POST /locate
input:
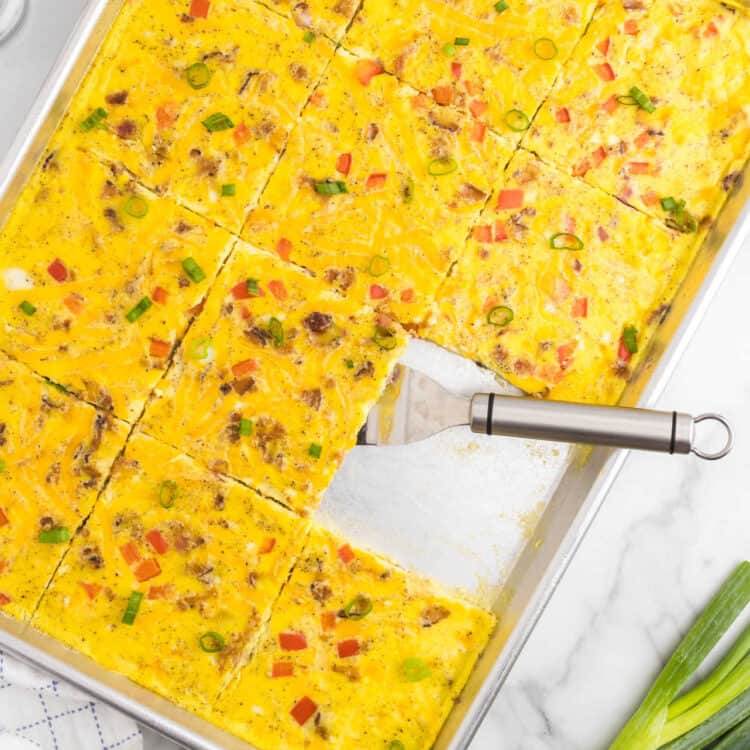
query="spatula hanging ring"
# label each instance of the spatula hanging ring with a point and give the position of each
(728, 445)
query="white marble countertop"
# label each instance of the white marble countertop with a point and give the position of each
(670, 531)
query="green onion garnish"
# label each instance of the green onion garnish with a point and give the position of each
(501, 6)
(54, 536)
(276, 329)
(216, 122)
(200, 347)
(358, 608)
(246, 427)
(27, 307)
(643, 101)
(415, 670)
(198, 75)
(626, 100)
(131, 611)
(2, 466)
(168, 490)
(565, 241)
(316, 450)
(309, 37)
(545, 49)
(396, 745)
(229, 190)
(442, 166)
(331, 187)
(135, 207)
(500, 316)
(378, 265)
(449, 49)
(193, 270)
(680, 219)
(461, 41)
(349, 363)
(669, 204)
(139, 309)
(385, 339)
(212, 643)
(252, 287)
(94, 120)
(630, 339)
(517, 120)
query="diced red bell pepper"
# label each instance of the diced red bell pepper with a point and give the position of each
(501, 231)
(241, 134)
(92, 589)
(57, 270)
(420, 101)
(278, 289)
(581, 168)
(166, 115)
(456, 70)
(199, 8)
(605, 72)
(378, 292)
(160, 592)
(303, 710)
(623, 353)
(610, 105)
(282, 669)
(443, 95)
(348, 648)
(711, 30)
(4, 520)
(562, 115)
(643, 139)
(284, 248)
(267, 546)
(639, 167)
(482, 233)
(346, 554)
(478, 132)
(630, 26)
(160, 295)
(159, 348)
(477, 107)
(4, 599)
(598, 156)
(602, 233)
(510, 199)
(244, 367)
(650, 198)
(328, 620)
(565, 354)
(344, 164)
(580, 307)
(241, 291)
(366, 70)
(291, 641)
(130, 553)
(603, 46)
(74, 303)
(147, 570)
(156, 539)
(408, 295)
(376, 180)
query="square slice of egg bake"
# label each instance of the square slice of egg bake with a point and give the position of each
(55, 454)
(197, 102)
(171, 578)
(357, 653)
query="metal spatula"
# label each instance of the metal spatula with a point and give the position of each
(414, 407)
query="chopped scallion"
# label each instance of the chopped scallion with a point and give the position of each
(626, 100)
(94, 120)
(316, 451)
(331, 187)
(217, 122)
(349, 363)
(2, 465)
(462, 41)
(501, 6)
(309, 37)
(246, 427)
(198, 75)
(442, 166)
(669, 204)
(385, 339)
(545, 49)
(139, 309)
(252, 287)
(396, 745)
(229, 190)
(644, 102)
(449, 49)
(168, 490)
(54, 536)
(565, 241)
(27, 308)
(131, 611)
(500, 316)
(212, 643)
(415, 670)
(276, 329)
(517, 121)
(358, 608)
(630, 339)
(200, 348)
(193, 270)
(136, 207)
(378, 265)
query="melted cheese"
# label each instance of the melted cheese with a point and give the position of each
(305, 382)
(570, 307)
(696, 139)
(388, 242)
(56, 453)
(329, 17)
(361, 700)
(261, 72)
(229, 551)
(498, 71)
(75, 210)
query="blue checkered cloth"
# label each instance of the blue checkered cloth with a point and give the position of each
(38, 712)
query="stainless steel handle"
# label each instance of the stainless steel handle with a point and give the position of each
(642, 429)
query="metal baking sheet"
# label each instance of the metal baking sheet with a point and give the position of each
(499, 519)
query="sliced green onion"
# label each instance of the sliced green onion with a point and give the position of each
(27, 308)
(252, 287)
(131, 611)
(681, 219)
(630, 339)
(565, 241)
(408, 190)
(246, 427)
(461, 41)
(229, 190)
(442, 166)
(501, 6)
(385, 339)
(645, 725)
(449, 49)
(200, 347)
(94, 120)
(358, 608)
(309, 37)
(168, 491)
(545, 49)
(669, 204)
(216, 122)
(331, 187)
(643, 101)
(135, 207)
(198, 75)
(276, 329)
(139, 309)
(2, 466)
(193, 270)
(396, 745)
(517, 120)
(378, 265)
(626, 100)
(316, 451)
(349, 363)
(212, 643)
(415, 670)
(54, 536)
(500, 316)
